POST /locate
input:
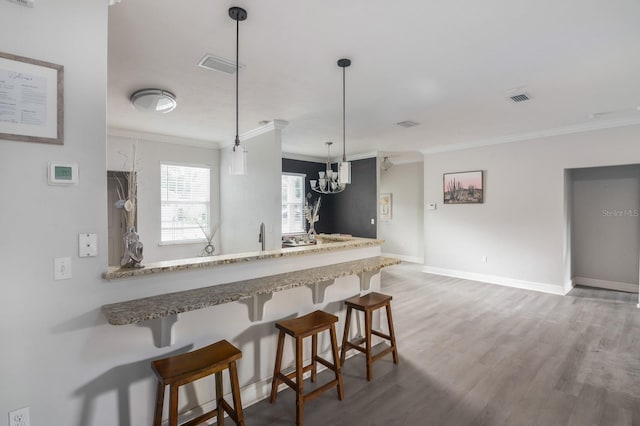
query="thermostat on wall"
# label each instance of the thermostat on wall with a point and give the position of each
(63, 173)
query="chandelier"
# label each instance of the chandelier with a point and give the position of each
(328, 181)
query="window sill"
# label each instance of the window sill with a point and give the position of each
(181, 243)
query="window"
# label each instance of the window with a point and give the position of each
(293, 221)
(184, 201)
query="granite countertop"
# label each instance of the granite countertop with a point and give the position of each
(134, 311)
(326, 243)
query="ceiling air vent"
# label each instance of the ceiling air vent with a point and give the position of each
(407, 123)
(217, 63)
(520, 97)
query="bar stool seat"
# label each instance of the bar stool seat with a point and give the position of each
(179, 370)
(367, 304)
(299, 328)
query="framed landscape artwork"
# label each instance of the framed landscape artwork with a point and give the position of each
(463, 187)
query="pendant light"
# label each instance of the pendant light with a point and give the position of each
(238, 164)
(344, 167)
(328, 181)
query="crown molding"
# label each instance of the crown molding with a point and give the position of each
(302, 157)
(362, 156)
(559, 131)
(405, 160)
(313, 159)
(269, 127)
(156, 137)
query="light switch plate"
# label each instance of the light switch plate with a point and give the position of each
(431, 206)
(87, 245)
(62, 268)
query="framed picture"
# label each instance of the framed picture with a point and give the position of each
(385, 206)
(463, 187)
(31, 100)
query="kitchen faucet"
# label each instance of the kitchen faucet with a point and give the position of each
(261, 237)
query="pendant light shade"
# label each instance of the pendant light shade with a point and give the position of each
(238, 163)
(344, 169)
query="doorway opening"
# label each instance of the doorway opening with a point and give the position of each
(604, 216)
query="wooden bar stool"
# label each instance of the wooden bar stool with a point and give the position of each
(367, 304)
(181, 369)
(299, 328)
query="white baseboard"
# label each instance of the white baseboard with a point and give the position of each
(493, 279)
(611, 285)
(410, 259)
(568, 286)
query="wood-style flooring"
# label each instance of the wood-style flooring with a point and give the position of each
(479, 354)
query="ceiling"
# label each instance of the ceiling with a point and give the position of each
(448, 65)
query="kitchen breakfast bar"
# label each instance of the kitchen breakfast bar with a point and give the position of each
(190, 303)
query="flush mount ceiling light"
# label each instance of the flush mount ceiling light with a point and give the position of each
(238, 164)
(154, 100)
(344, 169)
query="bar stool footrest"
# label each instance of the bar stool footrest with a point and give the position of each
(316, 392)
(381, 334)
(201, 418)
(382, 353)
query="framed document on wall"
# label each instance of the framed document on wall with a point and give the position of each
(31, 100)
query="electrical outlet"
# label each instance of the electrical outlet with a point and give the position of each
(19, 417)
(484, 259)
(87, 245)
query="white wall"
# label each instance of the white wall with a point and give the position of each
(246, 201)
(149, 156)
(606, 225)
(47, 327)
(521, 226)
(59, 356)
(403, 234)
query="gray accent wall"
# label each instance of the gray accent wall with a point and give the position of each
(351, 211)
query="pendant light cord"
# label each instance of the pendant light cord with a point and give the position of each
(237, 144)
(344, 150)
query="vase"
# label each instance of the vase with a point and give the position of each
(312, 231)
(132, 257)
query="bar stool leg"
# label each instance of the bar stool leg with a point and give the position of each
(157, 418)
(219, 395)
(336, 362)
(314, 356)
(276, 369)
(345, 336)
(392, 334)
(299, 383)
(173, 405)
(235, 393)
(367, 336)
